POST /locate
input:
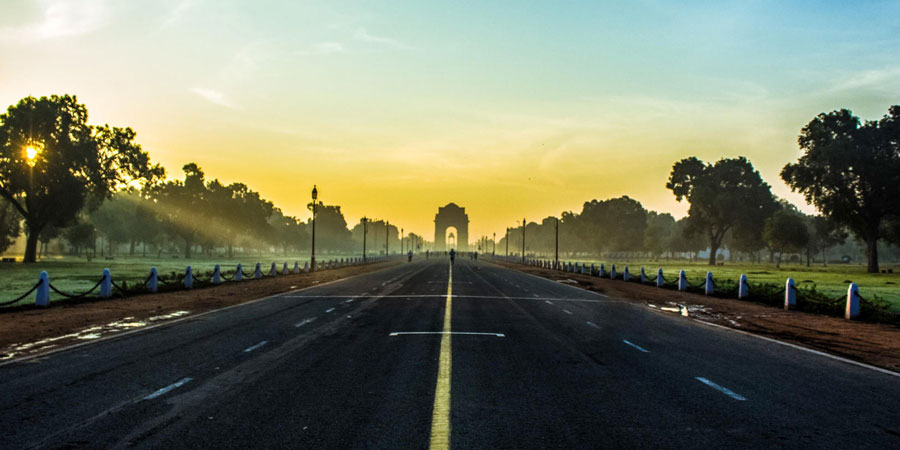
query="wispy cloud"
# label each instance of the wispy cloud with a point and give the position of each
(177, 13)
(363, 35)
(885, 79)
(213, 96)
(323, 48)
(61, 18)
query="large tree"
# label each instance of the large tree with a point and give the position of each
(182, 206)
(333, 235)
(81, 235)
(236, 210)
(850, 171)
(660, 228)
(616, 224)
(784, 232)
(723, 196)
(51, 160)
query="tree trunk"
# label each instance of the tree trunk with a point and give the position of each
(31, 243)
(230, 251)
(713, 249)
(131, 248)
(824, 257)
(187, 248)
(872, 253)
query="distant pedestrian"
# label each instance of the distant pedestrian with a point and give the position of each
(452, 256)
(410, 256)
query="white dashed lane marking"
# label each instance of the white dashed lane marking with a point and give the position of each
(329, 310)
(636, 346)
(168, 388)
(304, 322)
(721, 389)
(567, 311)
(254, 347)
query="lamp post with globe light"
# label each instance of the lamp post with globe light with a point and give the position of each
(315, 196)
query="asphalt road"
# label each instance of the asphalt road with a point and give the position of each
(530, 363)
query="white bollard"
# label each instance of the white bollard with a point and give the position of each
(790, 293)
(272, 270)
(306, 266)
(709, 286)
(153, 281)
(217, 275)
(106, 284)
(743, 287)
(660, 280)
(643, 275)
(625, 274)
(602, 272)
(188, 277)
(682, 281)
(612, 272)
(296, 267)
(852, 309)
(257, 272)
(42, 293)
(284, 269)
(239, 273)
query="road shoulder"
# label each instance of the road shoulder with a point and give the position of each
(870, 343)
(36, 331)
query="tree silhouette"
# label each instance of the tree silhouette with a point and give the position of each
(723, 196)
(69, 160)
(851, 172)
(785, 231)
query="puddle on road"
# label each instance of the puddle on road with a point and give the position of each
(87, 334)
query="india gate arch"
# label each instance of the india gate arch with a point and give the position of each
(451, 216)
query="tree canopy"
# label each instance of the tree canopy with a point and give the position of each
(729, 194)
(850, 170)
(51, 160)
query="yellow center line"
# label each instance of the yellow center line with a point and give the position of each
(440, 418)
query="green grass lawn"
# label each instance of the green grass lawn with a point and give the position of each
(76, 275)
(832, 280)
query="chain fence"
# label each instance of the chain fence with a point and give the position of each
(807, 297)
(174, 281)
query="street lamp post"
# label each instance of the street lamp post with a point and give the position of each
(387, 236)
(312, 259)
(523, 241)
(507, 242)
(556, 257)
(401, 241)
(494, 245)
(365, 233)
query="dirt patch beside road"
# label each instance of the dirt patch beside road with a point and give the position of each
(33, 331)
(871, 343)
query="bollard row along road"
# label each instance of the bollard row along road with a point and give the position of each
(429, 355)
